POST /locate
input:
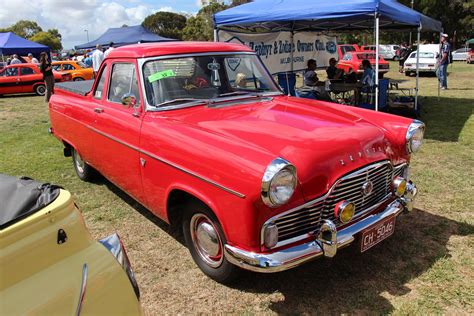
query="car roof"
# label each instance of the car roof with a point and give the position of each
(173, 48)
(22, 65)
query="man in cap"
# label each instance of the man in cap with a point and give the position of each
(444, 61)
(97, 58)
(33, 59)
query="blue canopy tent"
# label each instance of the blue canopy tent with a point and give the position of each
(323, 16)
(10, 43)
(125, 35)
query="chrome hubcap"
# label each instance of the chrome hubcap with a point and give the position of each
(206, 240)
(79, 162)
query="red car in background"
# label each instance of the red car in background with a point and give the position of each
(26, 78)
(352, 61)
(342, 49)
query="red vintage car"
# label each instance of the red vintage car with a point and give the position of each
(352, 61)
(201, 135)
(342, 49)
(26, 78)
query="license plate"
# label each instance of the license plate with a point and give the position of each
(375, 234)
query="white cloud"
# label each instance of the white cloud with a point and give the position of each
(72, 17)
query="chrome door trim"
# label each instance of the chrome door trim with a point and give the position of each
(83, 289)
(166, 162)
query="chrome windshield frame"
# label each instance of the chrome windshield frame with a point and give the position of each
(151, 108)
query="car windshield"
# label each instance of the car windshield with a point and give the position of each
(202, 78)
(423, 55)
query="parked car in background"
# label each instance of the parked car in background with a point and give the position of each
(352, 61)
(50, 264)
(427, 63)
(384, 51)
(26, 78)
(461, 54)
(344, 48)
(255, 179)
(77, 69)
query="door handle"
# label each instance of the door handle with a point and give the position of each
(98, 110)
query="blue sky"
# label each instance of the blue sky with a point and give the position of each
(73, 17)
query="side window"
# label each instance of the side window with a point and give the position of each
(123, 80)
(12, 72)
(26, 71)
(68, 67)
(57, 67)
(100, 85)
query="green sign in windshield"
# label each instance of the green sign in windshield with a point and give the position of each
(160, 75)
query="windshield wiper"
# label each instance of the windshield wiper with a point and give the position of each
(228, 94)
(183, 100)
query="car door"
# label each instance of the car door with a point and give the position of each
(118, 127)
(9, 81)
(28, 78)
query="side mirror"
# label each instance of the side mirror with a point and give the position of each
(129, 100)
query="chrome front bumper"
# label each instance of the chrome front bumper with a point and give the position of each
(326, 243)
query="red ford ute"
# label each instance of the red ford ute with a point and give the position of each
(26, 78)
(202, 136)
(352, 61)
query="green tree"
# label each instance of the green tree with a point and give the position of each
(201, 27)
(47, 39)
(167, 24)
(25, 28)
(55, 33)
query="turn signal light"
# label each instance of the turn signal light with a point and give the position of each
(345, 211)
(270, 236)
(400, 186)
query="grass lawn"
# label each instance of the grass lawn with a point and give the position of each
(425, 267)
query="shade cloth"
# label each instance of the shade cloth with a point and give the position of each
(125, 35)
(322, 15)
(10, 44)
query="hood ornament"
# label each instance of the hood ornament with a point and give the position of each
(367, 188)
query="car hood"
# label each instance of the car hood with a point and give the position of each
(323, 140)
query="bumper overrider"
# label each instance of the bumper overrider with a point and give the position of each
(326, 243)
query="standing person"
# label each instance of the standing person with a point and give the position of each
(33, 59)
(15, 60)
(47, 70)
(444, 60)
(111, 48)
(402, 53)
(97, 58)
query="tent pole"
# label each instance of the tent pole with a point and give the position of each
(439, 83)
(216, 34)
(377, 62)
(417, 65)
(3, 60)
(291, 57)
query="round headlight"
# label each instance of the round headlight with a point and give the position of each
(278, 183)
(414, 137)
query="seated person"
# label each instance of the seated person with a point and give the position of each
(310, 77)
(241, 80)
(332, 71)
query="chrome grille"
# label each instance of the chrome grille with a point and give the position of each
(350, 188)
(294, 225)
(299, 222)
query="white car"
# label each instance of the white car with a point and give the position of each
(428, 63)
(386, 51)
(461, 54)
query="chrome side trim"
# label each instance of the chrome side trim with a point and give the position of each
(166, 162)
(83, 289)
(299, 254)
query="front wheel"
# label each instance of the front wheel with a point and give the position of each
(40, 89)
(78, 79)
(205, 240)
(83, 170)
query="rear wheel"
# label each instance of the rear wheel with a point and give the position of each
(40, 89)
(205, 241)
(83, 170)
(78, 79)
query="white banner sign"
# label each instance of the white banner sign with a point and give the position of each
(275, 48)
